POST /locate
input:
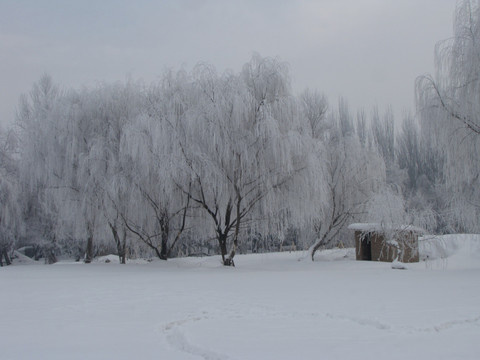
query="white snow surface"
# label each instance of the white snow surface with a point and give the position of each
(271, 306)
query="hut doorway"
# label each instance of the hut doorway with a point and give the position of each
(366, 248)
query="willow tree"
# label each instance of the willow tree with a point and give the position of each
(41, 161)
(351, 173)
(10, 214)
(449, 109)
(156, 209)
(241, 147)
(97, 120)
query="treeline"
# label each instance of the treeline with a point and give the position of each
(202, 163)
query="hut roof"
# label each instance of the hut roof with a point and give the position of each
(367, 227)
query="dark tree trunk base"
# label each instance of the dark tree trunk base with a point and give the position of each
(4, 254)
(89, 250)
(229, 262)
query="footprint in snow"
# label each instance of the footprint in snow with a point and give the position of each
(176, 338)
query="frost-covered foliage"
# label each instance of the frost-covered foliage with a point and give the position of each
(42, 151)
(10, 213)
(203, 162)
(199, 162)
(196, 163)
(352, 174)
(450, 122)
(195, 156)
(247, 162)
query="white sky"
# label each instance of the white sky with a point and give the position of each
(368, 51)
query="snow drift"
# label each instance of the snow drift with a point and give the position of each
(460, 250)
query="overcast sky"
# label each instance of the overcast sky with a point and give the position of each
(368, 51)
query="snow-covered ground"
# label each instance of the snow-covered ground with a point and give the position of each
(271, 306)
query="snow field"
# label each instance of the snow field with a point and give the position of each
(271, 306)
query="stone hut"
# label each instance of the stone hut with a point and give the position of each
(380, 242)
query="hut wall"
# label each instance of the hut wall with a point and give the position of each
(408, 243)
(372, 246)
(381, 250)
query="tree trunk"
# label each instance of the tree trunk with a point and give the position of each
(229, 260)
(123, 248)
(122, 258)
(319, 244)
(180, 231)
(315, 248)
(50, 256)
(222, 242)
(164, 246)
(120, 244)
(89, 250)
(4, 254)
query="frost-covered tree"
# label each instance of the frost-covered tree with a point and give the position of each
(361, 128)
(352, 174)
(408, 152)
(197, 155)
(345, 120)
(449, 108)
(116, 108)
(156, 211)
(240, 147)
(314, 107)
(383, 131)
(10, 212)
(68, 162)
(456, 84)
(41, 152)
(421, 165)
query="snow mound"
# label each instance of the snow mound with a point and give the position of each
(20, 259)
(460, 249)
(399, 265)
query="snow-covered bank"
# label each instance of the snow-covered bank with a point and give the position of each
(454, 251)
(271, 306)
